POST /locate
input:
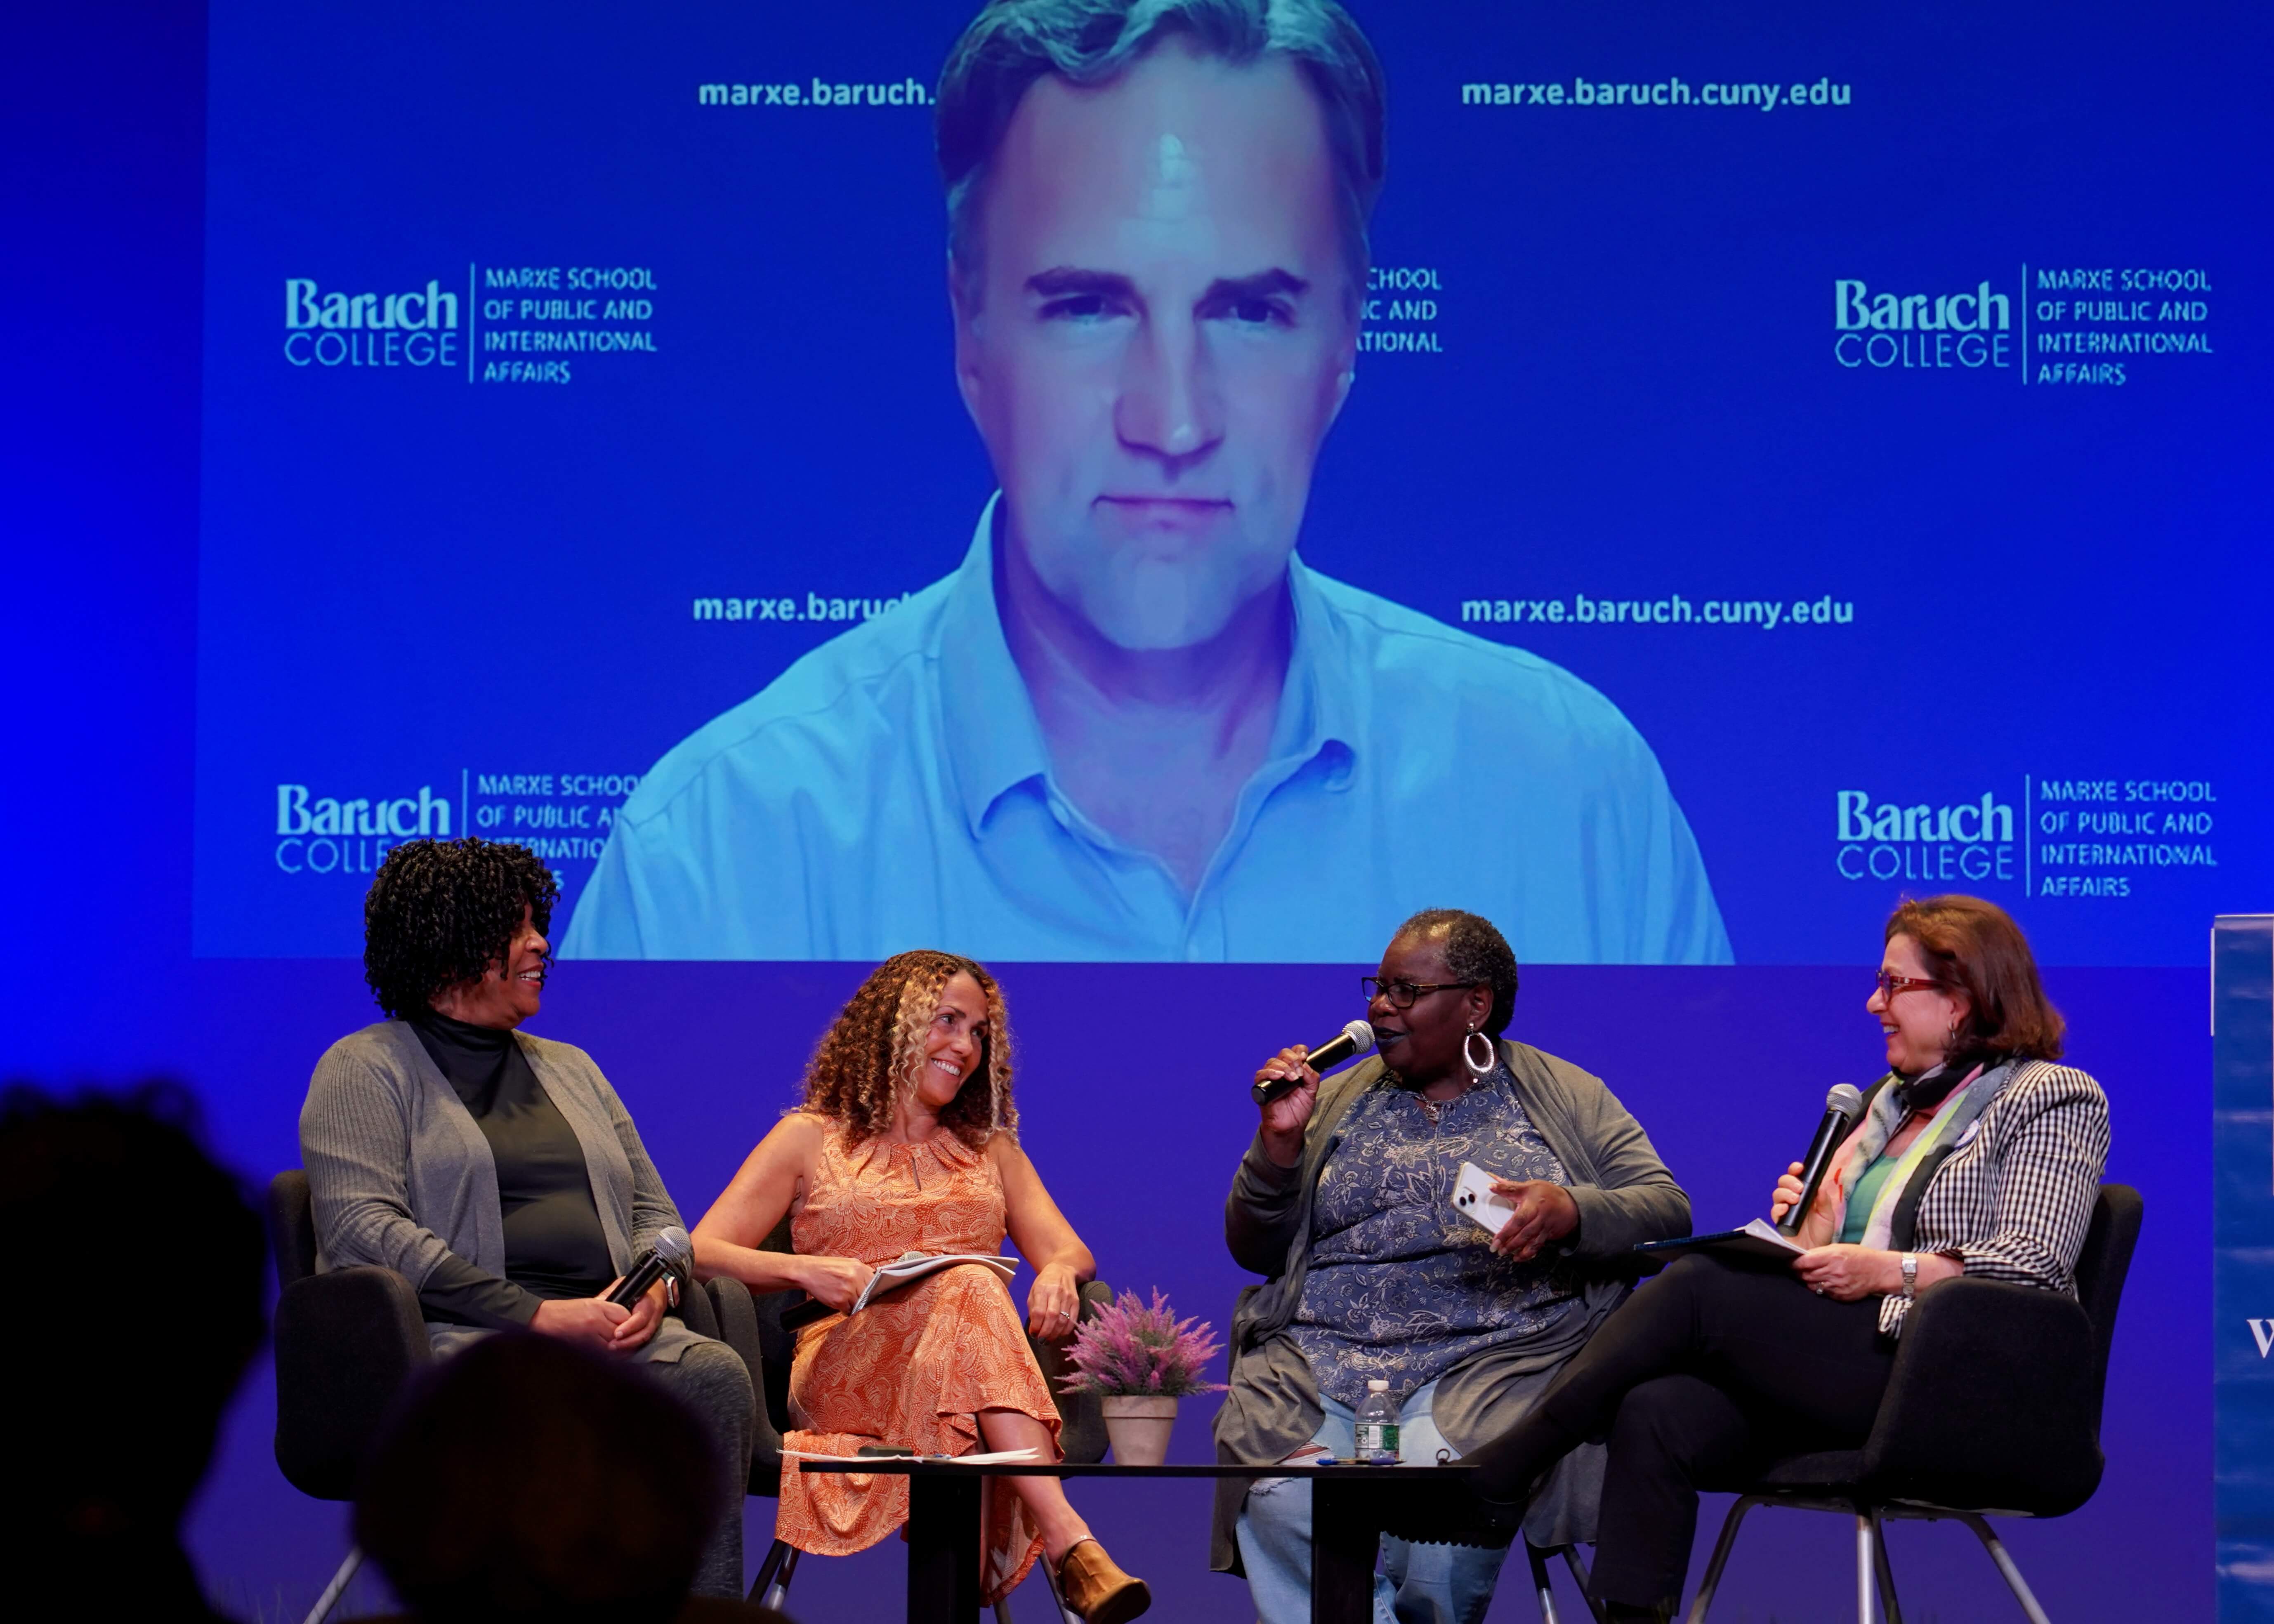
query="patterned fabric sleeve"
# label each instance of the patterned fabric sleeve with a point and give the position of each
(2018, 1211)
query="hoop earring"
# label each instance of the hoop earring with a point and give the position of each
(1492, 1056)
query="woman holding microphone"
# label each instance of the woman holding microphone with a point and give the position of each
(1976, 1154)
(1344, 1203)
(498, 1171)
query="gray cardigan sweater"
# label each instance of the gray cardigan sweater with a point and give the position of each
(402, 1175)
(1624, 1195)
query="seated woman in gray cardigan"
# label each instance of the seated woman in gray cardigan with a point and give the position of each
(496, 1171)
(1345, 1201)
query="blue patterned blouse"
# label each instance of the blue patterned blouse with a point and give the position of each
(1401, 1286)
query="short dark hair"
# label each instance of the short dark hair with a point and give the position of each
(528, 1478)
(125, 1424)
(1974, 947)
(441, 912)
(1012, 43)
(1475, 950)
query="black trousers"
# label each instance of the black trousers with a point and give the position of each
(1702, 1375)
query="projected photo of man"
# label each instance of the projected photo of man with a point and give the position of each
(1132, 724)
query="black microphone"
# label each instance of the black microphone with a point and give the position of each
(1842, 1107)
(672, 1251)
(1355, 1039)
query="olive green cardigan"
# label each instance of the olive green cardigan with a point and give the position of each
(1624, 1195)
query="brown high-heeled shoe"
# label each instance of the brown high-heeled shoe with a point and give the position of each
(1095, 1589)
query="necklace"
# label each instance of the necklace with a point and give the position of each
(1432, 1108)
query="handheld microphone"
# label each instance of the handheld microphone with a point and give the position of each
(672, 1251)
(1355, 1039)
(1842, 1107)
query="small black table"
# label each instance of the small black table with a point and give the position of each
(1349, 1507)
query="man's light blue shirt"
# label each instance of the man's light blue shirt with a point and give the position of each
(892, 789)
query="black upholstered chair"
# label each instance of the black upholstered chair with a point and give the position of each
(1994, 1410)
(752, 1326)
(345, 1342)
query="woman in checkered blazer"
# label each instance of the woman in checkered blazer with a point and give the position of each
(1977, 1153)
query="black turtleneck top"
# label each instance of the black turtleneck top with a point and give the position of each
(555, 1246)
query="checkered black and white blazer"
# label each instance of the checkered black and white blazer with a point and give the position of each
(2014, 1196)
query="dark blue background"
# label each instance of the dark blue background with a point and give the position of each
(1637, 397)
(102, 144)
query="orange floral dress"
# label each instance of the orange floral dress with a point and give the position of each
(914, 1368)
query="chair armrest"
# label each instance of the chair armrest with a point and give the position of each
(1991, 1403)
(1082, 1416)
(345, 1344)
(732, 1309)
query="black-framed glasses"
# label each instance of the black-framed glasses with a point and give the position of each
(1401, 993)
(1890, 985)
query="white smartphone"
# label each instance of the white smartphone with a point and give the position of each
(1474, 1199)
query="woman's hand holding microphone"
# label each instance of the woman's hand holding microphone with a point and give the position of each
(1286, 1117)
(594, 1320)
(1843, 1272)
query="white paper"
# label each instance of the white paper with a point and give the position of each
(915, 1265)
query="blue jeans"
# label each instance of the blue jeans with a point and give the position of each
(1416, 1585)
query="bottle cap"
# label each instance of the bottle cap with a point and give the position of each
(1377, 1386)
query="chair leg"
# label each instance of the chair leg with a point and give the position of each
(1579, 1577)
(1003, 1611)
(342, 1577)
(775, 1552)
(1867, 1570)
(1886, 1565)
(2013, 1574)
(1721, 1549)
(1058, 1596)
(1540, 1587)
(781, 1567)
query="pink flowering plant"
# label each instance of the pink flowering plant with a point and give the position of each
(1130, 1348)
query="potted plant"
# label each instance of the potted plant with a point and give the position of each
(1140, 1361)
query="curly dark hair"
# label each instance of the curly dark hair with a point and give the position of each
(441, 912)
(872, 1051)
(1475, 950)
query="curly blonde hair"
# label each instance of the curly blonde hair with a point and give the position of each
(874, 1051)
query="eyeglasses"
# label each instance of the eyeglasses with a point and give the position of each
(1401, 993)
(1890, 985)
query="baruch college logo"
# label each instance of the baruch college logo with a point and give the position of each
(1890, 840)
(326, 834)
(1970, 329)
(415, 326)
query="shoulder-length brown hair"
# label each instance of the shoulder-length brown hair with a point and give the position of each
(875, 1049)
(1974, 947)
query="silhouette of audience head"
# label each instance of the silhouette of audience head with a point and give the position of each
(529, 1479)
(111, 1427)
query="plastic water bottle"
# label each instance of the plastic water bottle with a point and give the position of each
(1377, 1427)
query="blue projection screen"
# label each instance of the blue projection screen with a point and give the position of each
(1786, 459)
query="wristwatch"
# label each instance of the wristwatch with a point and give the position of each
(1910, 1275)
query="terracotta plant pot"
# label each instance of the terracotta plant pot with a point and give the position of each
(1138, 1425)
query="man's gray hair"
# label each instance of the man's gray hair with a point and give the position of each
(1012, 43)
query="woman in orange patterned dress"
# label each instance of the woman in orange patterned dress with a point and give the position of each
(905, 1142)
